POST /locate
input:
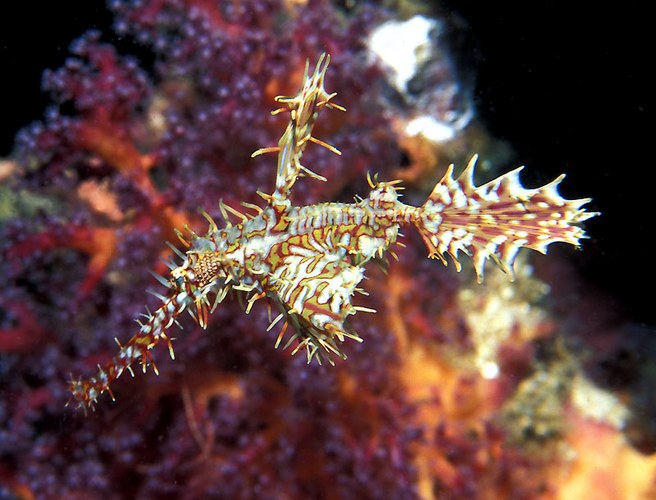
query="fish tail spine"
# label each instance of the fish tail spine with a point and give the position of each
(496, 219)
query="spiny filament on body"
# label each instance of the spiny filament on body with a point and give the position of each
(309, 261)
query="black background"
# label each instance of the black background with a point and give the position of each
(565, 86)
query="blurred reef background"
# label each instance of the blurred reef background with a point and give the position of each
(122, 119)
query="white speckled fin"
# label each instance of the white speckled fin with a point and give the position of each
(304, 109)
(497, 218)
(315, 291)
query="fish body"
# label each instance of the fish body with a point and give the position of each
(310, 260)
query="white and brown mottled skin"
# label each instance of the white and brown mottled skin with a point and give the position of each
(310, 260)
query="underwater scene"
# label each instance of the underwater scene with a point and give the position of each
(286, 249)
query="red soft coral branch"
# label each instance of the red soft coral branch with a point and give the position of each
(27, 333)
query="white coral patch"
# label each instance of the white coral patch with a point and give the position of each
(430, 128)
(403, 46)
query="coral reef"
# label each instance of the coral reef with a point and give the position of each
(429, 406)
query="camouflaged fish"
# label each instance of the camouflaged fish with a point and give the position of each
(310, 260)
